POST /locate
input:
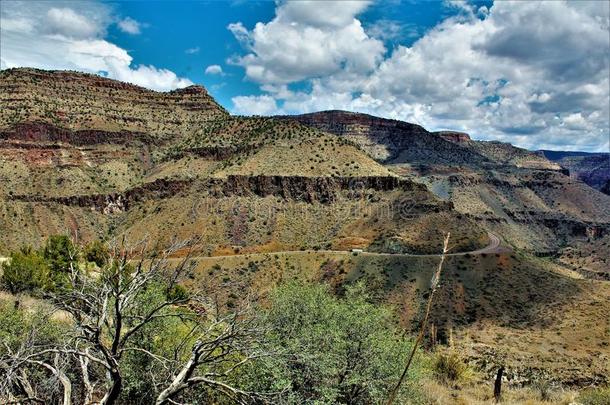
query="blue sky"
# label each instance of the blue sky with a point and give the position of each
(531, 73)
(201, 30)
(186, 37)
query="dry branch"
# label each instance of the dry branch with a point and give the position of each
(433, 287)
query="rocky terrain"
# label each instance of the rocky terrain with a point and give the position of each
(516, 193)
(176, 164)
(590, 168)
(277, 198)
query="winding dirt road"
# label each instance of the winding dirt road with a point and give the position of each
(494, 246)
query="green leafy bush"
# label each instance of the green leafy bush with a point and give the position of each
(61, 256)
(25, 270)
(59, 252)
(96, 252)
(339, 350)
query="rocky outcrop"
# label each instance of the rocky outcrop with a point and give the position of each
(453, 136)
(115, 202)
(595, 231)
(307, 189)
(310, 189)
(561, 224)
(47, 133)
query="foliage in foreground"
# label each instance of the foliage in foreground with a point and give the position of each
(26, 270)
(36, 271)
(340, 350)
(131, 333)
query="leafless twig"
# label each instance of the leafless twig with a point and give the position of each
(434, 285)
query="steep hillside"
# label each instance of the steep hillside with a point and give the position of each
(515, 193)
(389, 141)
(92, 157)
(590, 168)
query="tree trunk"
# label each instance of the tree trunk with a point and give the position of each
(87, 387)
(498, 385)
(63, 378)
(115, 389)
(180, 382)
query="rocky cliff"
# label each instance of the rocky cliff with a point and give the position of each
(453, 136)
(297, 188)
(590, 168)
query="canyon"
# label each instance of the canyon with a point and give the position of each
(291, 196)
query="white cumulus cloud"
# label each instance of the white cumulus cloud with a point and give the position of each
(130, 26)
(307, 40)
(65, 21)
(535, 74)
(214, 70)
(254, 105)
(70, 35)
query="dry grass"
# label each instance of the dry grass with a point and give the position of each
(481, 393)
(319, 157)
(34, 305)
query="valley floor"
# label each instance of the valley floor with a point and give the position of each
(541, 320)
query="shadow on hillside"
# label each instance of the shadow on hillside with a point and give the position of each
(508, 289)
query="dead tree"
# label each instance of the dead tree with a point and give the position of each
(106, 317)
(433, 287)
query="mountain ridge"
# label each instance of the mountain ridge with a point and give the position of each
(60, 150)
(102, 177)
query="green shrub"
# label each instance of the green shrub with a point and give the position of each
(340, 350)
(595, 396)
(61, 256)
(97, 252)
(59, 252)
(25, 270)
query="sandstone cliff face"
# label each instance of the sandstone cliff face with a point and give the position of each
(42, 132)
(453, 136)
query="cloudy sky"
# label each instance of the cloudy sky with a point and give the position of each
(535, 74)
